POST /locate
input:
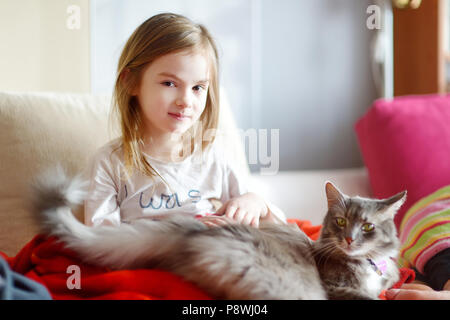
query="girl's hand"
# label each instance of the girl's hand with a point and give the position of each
(215, 221)
(416, 292)
(247, 209)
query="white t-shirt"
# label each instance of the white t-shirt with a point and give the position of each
(114, 198)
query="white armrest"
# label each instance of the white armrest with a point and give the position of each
(301, 194)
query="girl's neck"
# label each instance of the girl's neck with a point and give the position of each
(168, 148)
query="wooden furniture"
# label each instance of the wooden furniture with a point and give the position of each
(420, 50)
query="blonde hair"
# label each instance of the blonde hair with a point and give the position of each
(159, 35)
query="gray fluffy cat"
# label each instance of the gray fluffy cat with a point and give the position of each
(350, 260)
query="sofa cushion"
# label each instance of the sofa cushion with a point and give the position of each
(405, 144)
(38, 131)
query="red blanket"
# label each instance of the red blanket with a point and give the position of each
(47, 262)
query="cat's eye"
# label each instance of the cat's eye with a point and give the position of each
(367, 227)
(341, 222)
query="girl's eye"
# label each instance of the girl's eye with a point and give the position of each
(341, 222)
(168, 84)
(197, 88)
(367, 227)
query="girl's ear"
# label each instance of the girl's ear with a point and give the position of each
(394, 203)
(124, 74)
(334, 195)
(135, 91)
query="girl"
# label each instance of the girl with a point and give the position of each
(166, 98)
(424, 231)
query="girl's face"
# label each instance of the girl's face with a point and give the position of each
(172, 92)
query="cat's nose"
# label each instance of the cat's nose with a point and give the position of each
(349, 240)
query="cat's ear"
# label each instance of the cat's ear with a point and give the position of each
(394, 203)
(334, 195)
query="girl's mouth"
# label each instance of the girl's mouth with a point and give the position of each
(178, 116)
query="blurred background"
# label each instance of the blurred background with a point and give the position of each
(309, 68)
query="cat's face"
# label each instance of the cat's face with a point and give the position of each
(360, 227)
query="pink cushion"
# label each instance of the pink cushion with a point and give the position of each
(405, 144)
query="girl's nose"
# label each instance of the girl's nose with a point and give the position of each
(183, 100)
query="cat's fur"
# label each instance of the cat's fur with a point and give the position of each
(237, 261)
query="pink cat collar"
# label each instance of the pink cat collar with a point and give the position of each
(379, 267)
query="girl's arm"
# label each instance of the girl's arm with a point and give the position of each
(241, 205)
(101, 205)
(274, 215)
(418, 292)
(250, 208)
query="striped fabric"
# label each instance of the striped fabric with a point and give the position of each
(425, 230)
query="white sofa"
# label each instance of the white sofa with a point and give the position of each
(39, 130)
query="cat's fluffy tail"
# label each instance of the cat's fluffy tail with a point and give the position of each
(125, 246)
(53, 195)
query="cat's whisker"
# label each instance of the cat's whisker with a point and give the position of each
(325, 250)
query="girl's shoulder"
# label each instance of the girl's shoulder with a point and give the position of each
(110, 147)
(105, 159)
(110, 152)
